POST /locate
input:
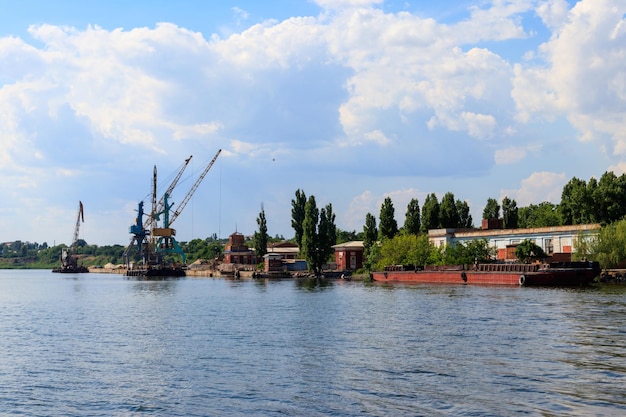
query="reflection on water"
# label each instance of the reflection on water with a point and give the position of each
(104, 345)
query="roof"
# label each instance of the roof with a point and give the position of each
(478, 233)
(354, 245)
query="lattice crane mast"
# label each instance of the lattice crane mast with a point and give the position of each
(159, 206)
(182, 205)
(81, 217)
(165, 235)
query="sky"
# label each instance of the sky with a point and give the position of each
(350, 101)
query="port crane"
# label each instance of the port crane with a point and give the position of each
(69, 262)
(141, 229)
(154, 242)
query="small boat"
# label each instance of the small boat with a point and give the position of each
(512, 274)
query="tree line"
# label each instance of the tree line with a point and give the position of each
(594, 201)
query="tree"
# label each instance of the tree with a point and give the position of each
(319, 234)
(492, 209)
(388, 224)
(297, 215)
(412, 221)
(528, 250)
(609, 198)
(477, 250)
(465, 218)
(406, 249)
(509, 213)
(261, 237)
(448, 214)
(327, 233)
(430, 213)
(609, 247)
(370, 234)
(544, 214)
(309, 232)
(575, 206)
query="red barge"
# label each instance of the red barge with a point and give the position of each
(552, 274)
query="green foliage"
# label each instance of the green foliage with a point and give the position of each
(509, 213)
(388, 225)
(346, 236)
(430, 213)
(465, 218)
(492, 209)
(297, 215)
(405, 249)
(412, 222)
(544, 214)
(370, 234)
(609, 247)
(260, 237)
(319, 234)
(327, 234)
(528, 250)
(448, 213)
(468, 253)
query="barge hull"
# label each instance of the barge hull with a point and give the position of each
(573, 274)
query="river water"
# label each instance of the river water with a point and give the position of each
(103, 345)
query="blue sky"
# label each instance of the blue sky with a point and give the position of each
(351, 101)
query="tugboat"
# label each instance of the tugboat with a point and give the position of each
(69, 261)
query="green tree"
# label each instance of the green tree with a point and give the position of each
(492, 209)
(448, 213)
(528, 250)
(319, 234)
(327, 233)
(575, 202)
(609, 246)
(406, 249)
(509, 213)
(465, 218)
(544, 214)
(297, 215)
(430, 213)
(609, 198)
(388, 225)
(346, 236)
(309, 233)
(412, 221)
(261, 237)
(370, 235)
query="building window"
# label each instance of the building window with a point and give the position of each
(549, 247)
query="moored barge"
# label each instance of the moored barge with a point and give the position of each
(512, 274)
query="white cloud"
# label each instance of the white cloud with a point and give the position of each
(583, 77)
(334, 95)
(509, 155)
(537, 188)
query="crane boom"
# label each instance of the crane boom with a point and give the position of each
(182, 205)
(80, 217)
(160, 206)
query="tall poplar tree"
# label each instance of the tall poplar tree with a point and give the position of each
(261, 237)
(327, 235)
(509, 213)
(319, 234)
(448, 214)
(309, 233)
(412, 221)
(492, 209)
(388, 226)
(465, 218)
(430, 213)
(297, 215)
(370, 235)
